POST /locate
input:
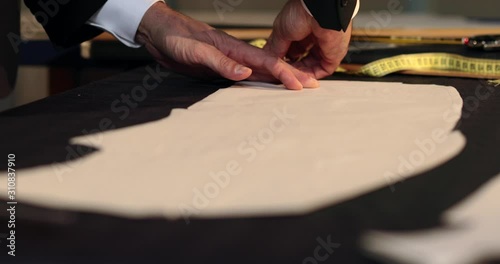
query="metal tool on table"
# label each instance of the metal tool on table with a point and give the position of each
(482, 42)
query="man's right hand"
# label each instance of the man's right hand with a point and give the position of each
(194, 48)
(296, 33)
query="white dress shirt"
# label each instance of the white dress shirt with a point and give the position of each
(121, 18)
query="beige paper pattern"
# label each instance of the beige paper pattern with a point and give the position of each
(255, 150)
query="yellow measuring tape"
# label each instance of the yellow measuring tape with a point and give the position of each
(481, 68)
(425, 63)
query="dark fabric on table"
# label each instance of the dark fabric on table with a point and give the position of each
(9, 46)
(363, 54)
(39, 134)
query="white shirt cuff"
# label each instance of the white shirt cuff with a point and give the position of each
(353, 14)
(356, 10)
(121, 18)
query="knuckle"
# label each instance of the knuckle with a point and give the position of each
(276, 67)
(225, 63)
(198, 53)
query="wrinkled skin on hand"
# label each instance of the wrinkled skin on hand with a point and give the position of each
(296, 33)
(194, 48)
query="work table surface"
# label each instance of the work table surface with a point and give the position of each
(39, 134)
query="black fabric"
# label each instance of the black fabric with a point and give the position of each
(39, 134)
(64, 20)
(9, 46)
(332, 14)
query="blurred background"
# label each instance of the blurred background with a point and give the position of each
(44, 70)
(482, 8)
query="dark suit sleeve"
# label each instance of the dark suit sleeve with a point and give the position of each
(332, 14)
(64, 20)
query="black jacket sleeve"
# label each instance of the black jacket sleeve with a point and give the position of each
(64, 20)
(332, 14)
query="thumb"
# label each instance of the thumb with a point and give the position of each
(223, 65)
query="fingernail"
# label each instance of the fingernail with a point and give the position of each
(240, 69)
(311, 83)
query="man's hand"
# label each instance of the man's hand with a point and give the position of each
(196, 49)
(296, 33)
